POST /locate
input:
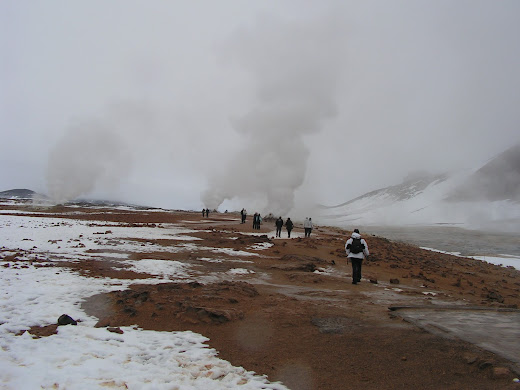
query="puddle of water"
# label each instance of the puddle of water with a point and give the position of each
(495, 331)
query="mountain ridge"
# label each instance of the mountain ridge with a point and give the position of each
(487, 197)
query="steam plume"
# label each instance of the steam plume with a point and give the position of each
(98, 153)
(296, 69)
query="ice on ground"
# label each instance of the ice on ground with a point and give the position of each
(261, 246)
(165, 268)
(284, 234)
(34, 293)
(240, 271)
(72, 237)
(503, 260)
(81, 357)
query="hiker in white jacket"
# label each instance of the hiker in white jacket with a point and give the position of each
(357, 249)
(307, 225)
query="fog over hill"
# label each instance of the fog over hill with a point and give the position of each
(486, 198)
(498, 180)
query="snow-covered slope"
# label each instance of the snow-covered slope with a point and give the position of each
(487, 198)
(19, 193)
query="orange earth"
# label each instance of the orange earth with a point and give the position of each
(296, 317)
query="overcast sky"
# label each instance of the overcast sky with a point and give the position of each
(271, 104)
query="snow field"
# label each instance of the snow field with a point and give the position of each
(34, 293)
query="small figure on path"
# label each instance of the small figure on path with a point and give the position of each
(203, 212)
(357, 249)
(242, 214)
(256, 221)
(307, 225)
(207, 213)
(279, 224)
(289, 226)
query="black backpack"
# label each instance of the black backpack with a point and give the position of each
(356, 246)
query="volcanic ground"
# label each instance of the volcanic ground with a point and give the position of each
(287, 308)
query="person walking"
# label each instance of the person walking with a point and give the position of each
(279, 224)
(307, 225)
(207, 213)
(203, 212)
(357, 249)
(242, 216)
(289, 226)
(255, 219)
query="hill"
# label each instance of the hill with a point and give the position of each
(18, 194)
(486, 198)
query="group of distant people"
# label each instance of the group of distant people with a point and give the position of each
(289, 225)
(257, 219)
(356, 247)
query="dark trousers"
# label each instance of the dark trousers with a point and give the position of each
(356, 269)
(308, 232)
(278, 231)
(289, 233)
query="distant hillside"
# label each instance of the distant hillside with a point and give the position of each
(408, 189)
(17, 194)
(486, 198)
(498, 180)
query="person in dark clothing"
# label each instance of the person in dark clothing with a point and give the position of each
(289, 226)
(357, 249)
(207, 213)
(307, 225)
(203, 212)
(242, 214)
(255, 216)
(279, 224)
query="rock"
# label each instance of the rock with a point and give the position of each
(495, 296)
(394, 281)
(484, 365)
(65, 319)
(115, 330)
(103, 323)
(373, 280)
(470, 358)
(501, 372)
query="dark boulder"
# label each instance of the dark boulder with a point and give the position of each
(66, 320)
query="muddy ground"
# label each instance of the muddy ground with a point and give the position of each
(297, 318)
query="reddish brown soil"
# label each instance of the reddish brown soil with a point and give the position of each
(312, 330)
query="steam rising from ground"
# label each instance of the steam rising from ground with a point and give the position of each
(296, 69)
(88, 155)
(97, 153)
